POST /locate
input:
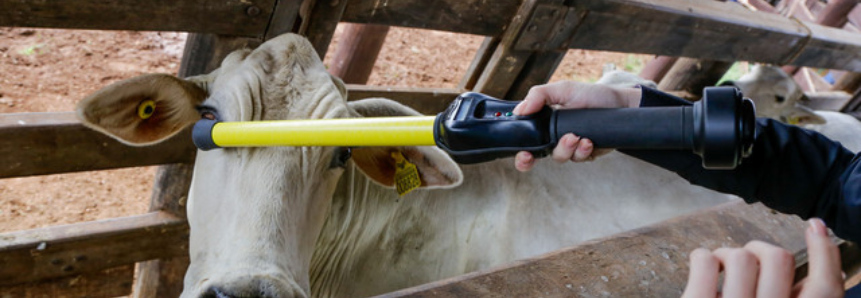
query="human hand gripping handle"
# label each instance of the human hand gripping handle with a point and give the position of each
(573, 95)
(760, 269)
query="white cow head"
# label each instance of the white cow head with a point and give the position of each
(255, 213)
(776, 95)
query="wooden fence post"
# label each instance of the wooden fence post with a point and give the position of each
(357, 52)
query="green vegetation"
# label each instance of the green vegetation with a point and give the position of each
(633, 64)
(33, 49)
(737, 70)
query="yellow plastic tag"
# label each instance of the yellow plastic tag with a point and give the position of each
(406, 175)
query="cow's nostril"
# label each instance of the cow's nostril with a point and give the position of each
(215, 293)
(253, 288)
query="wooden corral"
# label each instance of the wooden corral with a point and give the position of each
(526, 40)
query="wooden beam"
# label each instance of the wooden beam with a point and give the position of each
(507, 61)
(647, 262)
(760, 5)
(537, 71)
(834, 15)
(842, 49)
(106, 283)
(322, 20)
(428, 101)
(357, 52)
(34, 255)
(701, 29)
(284, 18)
(464, 16)
(479, 63)
(51, 143)
(232, 17)
(835, 12)
(161, 278)
(204, 52)
(849, 82)
(827, 100)
(692, 75)
(657, 68)
(854, 16)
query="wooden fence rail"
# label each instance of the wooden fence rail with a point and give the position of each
(705, 29)
(46, 253)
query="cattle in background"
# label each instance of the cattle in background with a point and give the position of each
(778, 96)
(316, 221)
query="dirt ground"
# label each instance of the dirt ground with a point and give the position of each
(48, 70)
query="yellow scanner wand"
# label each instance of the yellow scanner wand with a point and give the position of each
(346, 132)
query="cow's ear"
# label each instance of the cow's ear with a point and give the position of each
(143, 110)
(342, 88)
(434, 166)
(385, 164)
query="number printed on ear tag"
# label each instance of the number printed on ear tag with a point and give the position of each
(406, 175)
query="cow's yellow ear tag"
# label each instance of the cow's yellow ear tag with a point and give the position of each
(406, 175)
(146, 109)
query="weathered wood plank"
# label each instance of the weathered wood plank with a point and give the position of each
(648, 262)
(357, 52)
(831, 48)
(50, 143)
(507, 61)
(106, 283)
(835, 13)
(479, 63)
(33, 255)
(710, 30)
(537, 70)
(232, 17)
(161, 278)
(827, 100)
(854, 16)
(658, 68)
(284, 18)
(428, 101)
(322, 20)
(465, 16)
(692, 75)
(701, 29)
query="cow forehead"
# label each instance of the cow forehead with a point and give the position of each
(277, 72)
(272, 57)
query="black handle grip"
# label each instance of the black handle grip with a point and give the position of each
(646, 128)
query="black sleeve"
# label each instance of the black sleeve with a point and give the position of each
(791, 169)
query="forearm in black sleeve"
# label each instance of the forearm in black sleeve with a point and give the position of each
(791, 170)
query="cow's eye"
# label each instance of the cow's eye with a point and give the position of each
(207, 112)
(779, 98)
(341, 156)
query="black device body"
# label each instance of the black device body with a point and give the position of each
(478, 128)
